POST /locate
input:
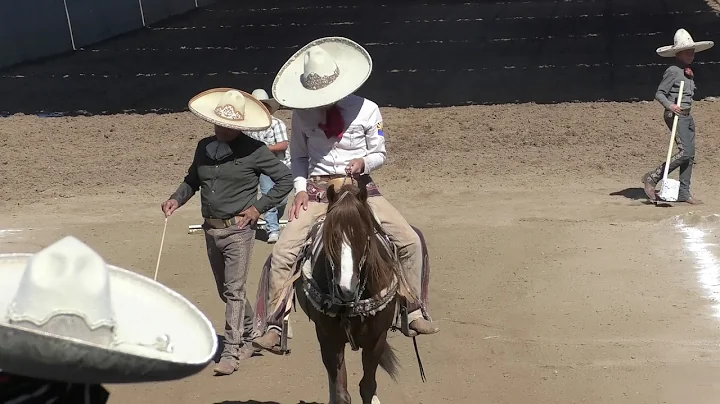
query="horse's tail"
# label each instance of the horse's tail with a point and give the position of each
(388, 360)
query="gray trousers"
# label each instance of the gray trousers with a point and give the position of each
(229, 251)
(685, 156)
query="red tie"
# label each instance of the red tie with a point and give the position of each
(334, 125)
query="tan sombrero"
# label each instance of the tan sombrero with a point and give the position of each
(65, 315)
(262, 96)
(230, 108)
(683, 41)
(321, 73)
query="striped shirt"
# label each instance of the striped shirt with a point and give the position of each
(276, 133)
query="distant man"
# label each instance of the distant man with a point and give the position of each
(683, 50)
(276, 139)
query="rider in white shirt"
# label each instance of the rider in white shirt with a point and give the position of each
(334, 133)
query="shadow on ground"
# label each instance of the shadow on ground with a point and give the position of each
(431, 54)
(262, 402)
(636, 194)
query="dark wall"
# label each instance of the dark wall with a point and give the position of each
(428, 53)
(30, 29)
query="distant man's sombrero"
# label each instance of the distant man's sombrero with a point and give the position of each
(683, 41)
(65, 315)
(230, 108)
(321, 73)
(262, 96)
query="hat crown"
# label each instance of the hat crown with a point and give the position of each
(260, 94)
(319, 69)
(682, 38)
(67, 281)
(231, 106)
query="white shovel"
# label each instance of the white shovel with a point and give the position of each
(670, 188)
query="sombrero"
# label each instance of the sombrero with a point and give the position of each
(230, 108)
(66, 315)
(683, 41)
(262, 96)
(321, 73)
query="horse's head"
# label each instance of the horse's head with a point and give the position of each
(350, 243)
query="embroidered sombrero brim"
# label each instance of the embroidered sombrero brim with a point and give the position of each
(672, 50)
(256, 116)
(354, 64)
(144, 310)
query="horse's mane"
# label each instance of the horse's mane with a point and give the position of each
(349, 216)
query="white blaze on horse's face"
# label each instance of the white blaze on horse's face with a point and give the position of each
(348, 282)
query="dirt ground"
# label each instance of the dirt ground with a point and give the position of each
(552, 280)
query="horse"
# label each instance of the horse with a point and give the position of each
(349, 283)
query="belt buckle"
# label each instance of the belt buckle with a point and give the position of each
(228, 222)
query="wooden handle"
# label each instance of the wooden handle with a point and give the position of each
(673, 131)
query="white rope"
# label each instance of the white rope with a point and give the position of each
(162, 241)
(142, 13)
(67, 14)
(196, 5)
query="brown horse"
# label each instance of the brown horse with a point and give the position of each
(358, 272)
(349, 283)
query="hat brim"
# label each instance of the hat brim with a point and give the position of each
(271, 104)
(354, 64)
(257, 117)
(144, 310)
(672, 50)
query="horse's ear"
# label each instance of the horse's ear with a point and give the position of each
(331, 194)
(363, 195)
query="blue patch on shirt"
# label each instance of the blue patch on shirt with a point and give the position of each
(381, 133)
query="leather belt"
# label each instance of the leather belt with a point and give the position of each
(223, 223)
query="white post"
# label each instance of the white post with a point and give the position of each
(67, 14)
(142, 14)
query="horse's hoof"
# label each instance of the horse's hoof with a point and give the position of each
(375, 400)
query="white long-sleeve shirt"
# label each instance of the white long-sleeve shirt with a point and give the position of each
(312, 153)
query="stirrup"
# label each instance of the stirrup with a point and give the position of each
(404, 323)
(284, 350)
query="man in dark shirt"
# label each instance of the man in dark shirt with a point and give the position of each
(226, 169)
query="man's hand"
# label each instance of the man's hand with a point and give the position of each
(300, 203)
(249, 216)
(675, 108)
(356, 166)
(169, 206)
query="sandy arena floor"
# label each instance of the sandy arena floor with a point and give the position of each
(552, 280)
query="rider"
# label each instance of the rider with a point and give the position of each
(334, 133)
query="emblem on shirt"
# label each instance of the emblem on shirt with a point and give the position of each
(380, 129)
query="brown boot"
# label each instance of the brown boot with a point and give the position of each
(649, 186)
(269, 342)
(422, 326)
(226, 366)
(229, 365)
(693, 201)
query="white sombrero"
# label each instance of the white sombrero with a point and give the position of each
(683, 41)
(65, 315)
(230, 108)
(262, 96)
(321, 73)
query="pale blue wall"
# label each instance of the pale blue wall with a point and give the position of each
(32, 29)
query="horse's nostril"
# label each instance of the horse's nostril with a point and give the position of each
(344, 293)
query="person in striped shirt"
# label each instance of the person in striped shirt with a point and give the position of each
(276, 138)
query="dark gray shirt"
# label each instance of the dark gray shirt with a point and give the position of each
(667, 91)
(230, 185)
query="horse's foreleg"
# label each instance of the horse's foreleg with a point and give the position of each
(332, 349)
(371, 355)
